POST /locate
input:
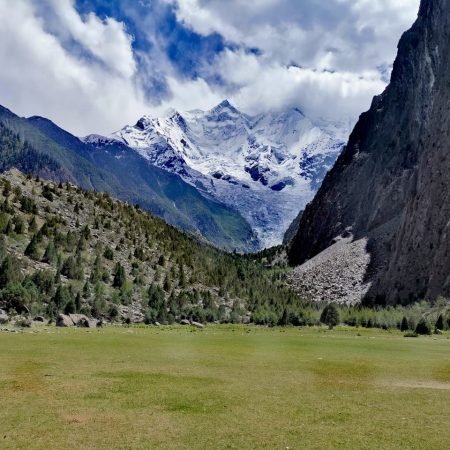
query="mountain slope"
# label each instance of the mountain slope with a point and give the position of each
(258, 165)
(128, 176)
(390, 187)
(66, 250)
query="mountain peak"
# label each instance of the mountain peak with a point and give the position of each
(223, 111)
(225, 104)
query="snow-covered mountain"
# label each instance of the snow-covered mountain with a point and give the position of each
(267, 166)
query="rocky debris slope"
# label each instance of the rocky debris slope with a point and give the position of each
(394, 171)
(335, 275)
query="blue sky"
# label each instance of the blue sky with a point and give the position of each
(95, 65)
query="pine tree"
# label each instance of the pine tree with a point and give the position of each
(32, 225)
(182, 281)
(61, 297)
(32, 250)
(156, 297)
(78, 302)
(86, 290)
(97, 270)
(119, 276)
(423, 327)
(50, 256)
(9, 271)
(330, 316)
(167, 286)
(19, 225)
(9, 230)
(404, 325)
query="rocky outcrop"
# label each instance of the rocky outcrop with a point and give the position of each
(393, 174)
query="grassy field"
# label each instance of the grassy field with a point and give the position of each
(223, 387)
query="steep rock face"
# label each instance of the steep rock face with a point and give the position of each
(394, 174)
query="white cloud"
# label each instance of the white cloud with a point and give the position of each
(338, 47)
(39, 76)
(107, 40)
(264, 86)
(82, 73)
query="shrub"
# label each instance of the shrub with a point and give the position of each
(411, 334)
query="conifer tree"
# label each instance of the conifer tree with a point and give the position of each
(404, 325)
(50, 256)
(330, 316)
(119, 276)
(9, 271)
(32, 225)
(32, 250)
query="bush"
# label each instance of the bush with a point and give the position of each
(264, 316)
(410, 334)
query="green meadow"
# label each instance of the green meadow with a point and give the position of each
(224, 387)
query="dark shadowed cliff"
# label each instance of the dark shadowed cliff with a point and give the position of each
(391, 185)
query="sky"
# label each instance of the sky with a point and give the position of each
(93, 66)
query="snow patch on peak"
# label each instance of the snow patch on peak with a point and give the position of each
(268, 167)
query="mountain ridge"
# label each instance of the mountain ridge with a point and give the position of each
(156, 190)
(260, 165)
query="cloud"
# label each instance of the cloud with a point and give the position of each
(263, 86)
(95, 65)
(313, 54)
(41, 76)
(107, 39)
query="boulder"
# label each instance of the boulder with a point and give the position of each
(78, 319)
(185, 322)
(88, 323)
(197, 325)
(39, 319)
(23, 322)
(64, 321)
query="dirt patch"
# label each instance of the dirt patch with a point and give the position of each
(418, 385)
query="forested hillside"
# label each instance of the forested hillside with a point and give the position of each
(63, 249)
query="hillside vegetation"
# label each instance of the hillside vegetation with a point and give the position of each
(67, 250)
(63, 249)
(38, 146)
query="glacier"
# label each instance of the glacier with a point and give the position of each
(266, 166)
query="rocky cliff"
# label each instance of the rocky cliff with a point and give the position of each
(390, 188)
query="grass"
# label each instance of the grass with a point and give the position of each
(223, 388)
